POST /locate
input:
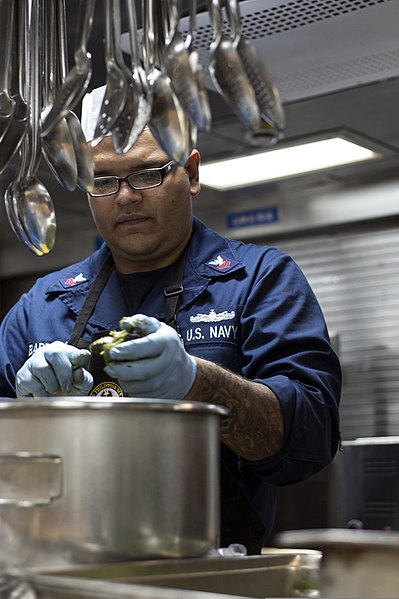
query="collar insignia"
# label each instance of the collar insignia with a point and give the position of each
(220, 263)
(72, 281)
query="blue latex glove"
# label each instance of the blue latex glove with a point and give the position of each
(55, 369)
(154, 366)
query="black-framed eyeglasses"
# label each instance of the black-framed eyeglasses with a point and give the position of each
(139, 180)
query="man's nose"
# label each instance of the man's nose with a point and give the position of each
(127, 195)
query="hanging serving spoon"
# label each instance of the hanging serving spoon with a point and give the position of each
(122, 129)
(168, 122)
(19, 66)
(197, 70)
(11, 207)
(116, 88)
(7, 104)
(84, 162)
(15, 133)
(37, 216)
(142, 89)
(179, 67)
(22, 215)
(31, 198)
(74, 86)
(267, 95)
(57, 145)
(228, 74)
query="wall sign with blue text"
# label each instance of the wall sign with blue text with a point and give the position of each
(253, 218)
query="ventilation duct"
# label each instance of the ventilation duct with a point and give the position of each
(315, 47)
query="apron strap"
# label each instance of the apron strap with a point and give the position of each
(172, 295)
(91, 300)
(174, 291)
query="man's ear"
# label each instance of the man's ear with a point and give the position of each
(192, 170)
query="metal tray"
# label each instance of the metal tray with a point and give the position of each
(275, 573)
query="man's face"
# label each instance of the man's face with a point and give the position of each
(144, 229)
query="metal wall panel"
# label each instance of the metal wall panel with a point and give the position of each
(355, 276)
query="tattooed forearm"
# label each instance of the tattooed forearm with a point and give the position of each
(255, 426)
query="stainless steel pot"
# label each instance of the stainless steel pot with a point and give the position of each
(85, 481)
(355, 563)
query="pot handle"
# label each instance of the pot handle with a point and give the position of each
(29, 479)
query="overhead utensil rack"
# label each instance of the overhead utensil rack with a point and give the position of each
(162, 86)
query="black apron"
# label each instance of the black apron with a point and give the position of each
(240, 522)
(103, 384)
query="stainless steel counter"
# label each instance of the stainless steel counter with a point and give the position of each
(276, 573)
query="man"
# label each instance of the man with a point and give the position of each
(243, 330)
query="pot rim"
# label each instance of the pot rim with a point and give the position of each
(92, 403)
(339, 537)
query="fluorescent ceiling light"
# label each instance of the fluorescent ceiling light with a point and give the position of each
(284, 162)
